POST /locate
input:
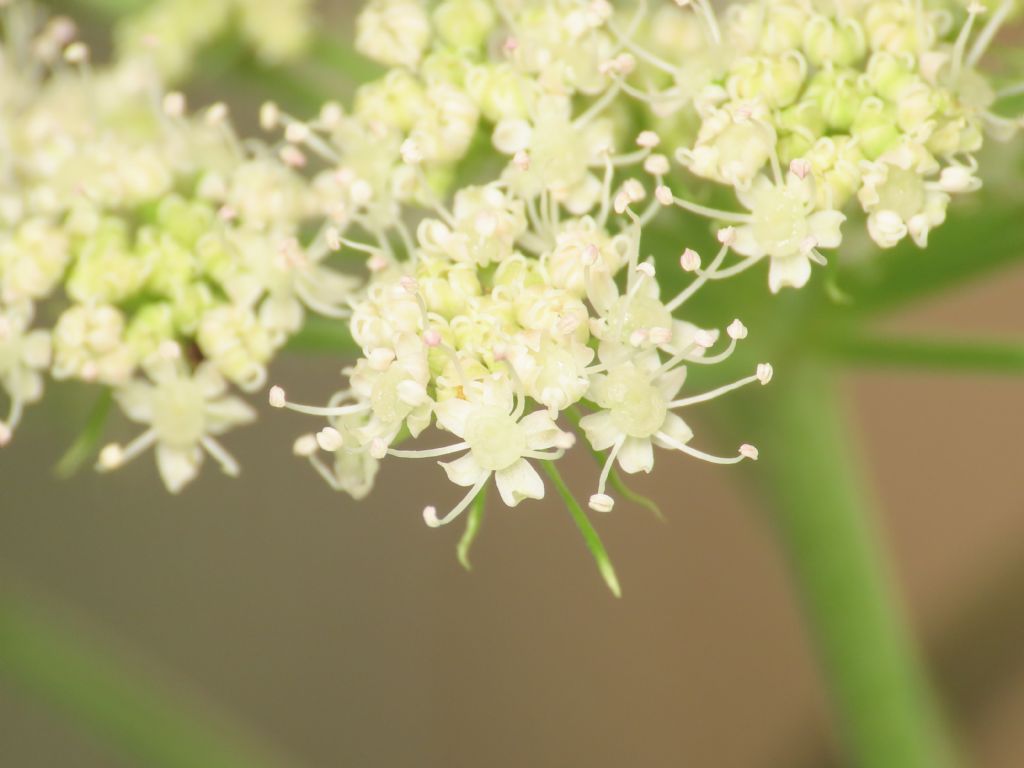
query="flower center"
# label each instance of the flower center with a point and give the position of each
(494, 437)
(780, 223)
(387, 405)
(637, 407)
(179, 413)
(902, 192)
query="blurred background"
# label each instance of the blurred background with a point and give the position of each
(339, 633)
(348, 634)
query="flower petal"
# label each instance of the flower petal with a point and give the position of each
(453, 414)
(178, 466)
(464, 471)
(600, 430)
(517, 482)
(791, 270)
(676, 429)
(541, 430)
(636, 455)
(824, 227)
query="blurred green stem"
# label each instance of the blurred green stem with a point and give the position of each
(590, 536)
(824, 522)
(86, 444)
(930, 354)
(112, 700)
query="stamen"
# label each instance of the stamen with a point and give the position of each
(763, 376)
(277, 399)
(988, 32)
(691, 258)
(430, 513)
(682, 447)
(216, 450)
(428, 453)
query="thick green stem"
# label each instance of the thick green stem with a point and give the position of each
(951, 356)
(114, 701)
(825, 524)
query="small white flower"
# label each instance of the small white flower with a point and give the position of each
(184, 413)
(785, 227)
(24, 354)
(498, 440)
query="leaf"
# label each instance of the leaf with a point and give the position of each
(85, 445)
(604, 563)
(476, 516)
(98, 688)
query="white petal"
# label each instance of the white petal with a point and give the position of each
(600, 430)
(824, 228)
(512, 135)
(136, 400)
(670, 383)
(226, 413)
(517, 482)
(210, 381)
(792, 270)
(636, 455)
(746, 244)
(177, 466)
(453, 414)
(464, 471)
(541, 430)
(35, 350)
(675, 428)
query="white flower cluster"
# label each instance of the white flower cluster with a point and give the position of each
(878, 101)
(526, 299)
(171, 34)
(171, 254)
(495, 184)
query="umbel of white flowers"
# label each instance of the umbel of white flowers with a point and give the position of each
(180, 258)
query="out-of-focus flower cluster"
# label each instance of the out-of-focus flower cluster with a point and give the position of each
(137, 240)
(171, 34)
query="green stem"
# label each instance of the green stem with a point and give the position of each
(928, 354)
(825, 525)
(476, 516)
(604, 563)
(112, 700)
(85, 445)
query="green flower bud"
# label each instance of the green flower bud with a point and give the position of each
(396, 100)
(889, 74)
(834, 41)
(775, 81)
(149, 327)
(170, 264)
(464, 24)
(501, 91)
(184, 220)
(190, 304)
(105, 269)
(839, 95)
(875, 128)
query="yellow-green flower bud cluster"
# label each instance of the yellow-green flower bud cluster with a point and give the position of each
(159, 241)
(850, 89)
(171, 34)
